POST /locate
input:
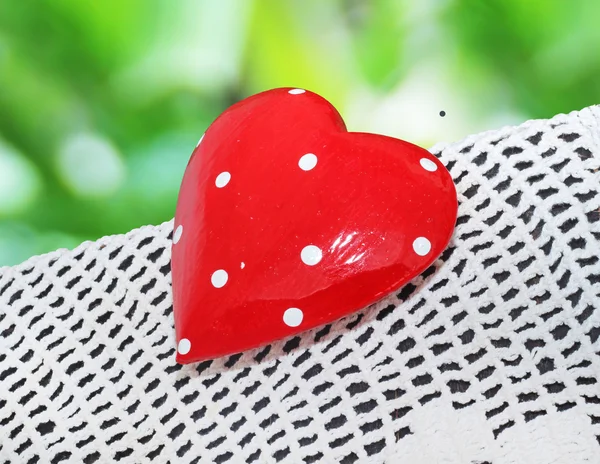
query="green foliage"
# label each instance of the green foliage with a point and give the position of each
(101, 103)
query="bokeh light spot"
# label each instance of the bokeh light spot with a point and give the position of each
(19, 181)
(90, 166)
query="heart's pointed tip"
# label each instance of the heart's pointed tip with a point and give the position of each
(183, 354)
(189, 353)
(184, 359)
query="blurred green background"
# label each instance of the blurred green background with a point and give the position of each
(101, 103)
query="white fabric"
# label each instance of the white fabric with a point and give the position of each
(491, 356)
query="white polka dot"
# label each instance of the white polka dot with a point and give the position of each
(296, 91)
(184, 346)
(293, 317)
(200, 141)
(177, 234)
(428, 165)
(308, 161)
(422, 246)
(311, 255)
(243, 265)
(219, 278)
(222, 179)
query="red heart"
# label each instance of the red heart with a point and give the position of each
(286, 221)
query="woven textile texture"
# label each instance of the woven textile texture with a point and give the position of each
(491, 356)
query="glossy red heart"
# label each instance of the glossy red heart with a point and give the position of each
(286, 221)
